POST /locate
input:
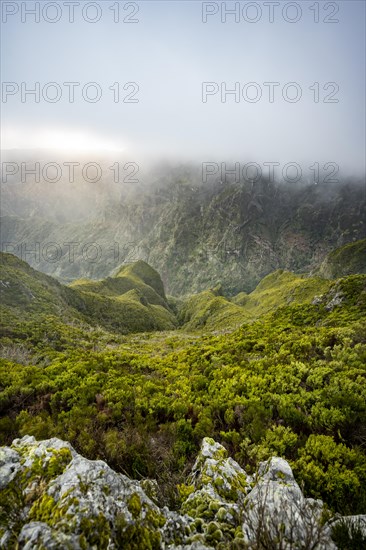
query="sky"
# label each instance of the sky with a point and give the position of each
(171, 63)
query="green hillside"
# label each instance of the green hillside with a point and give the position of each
(280, 371)
(282, 288)
(141, 271)
(24, 290)
(123, 304)
(211, 311)
(138, 276)
(207, 310)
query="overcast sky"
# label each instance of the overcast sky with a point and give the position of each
(169, 53)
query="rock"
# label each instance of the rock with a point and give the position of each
(276, 469)
(214, 471)
(66, 500)
(9, 465)
(358, 522)
(220, 486)
(335, 301)
(53, 498)
(191, 546)
(39, 535)
(277, 510)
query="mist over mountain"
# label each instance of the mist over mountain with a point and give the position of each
(196, 228)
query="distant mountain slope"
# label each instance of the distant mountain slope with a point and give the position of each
(210, 311)
(195, 234)
(278, 289)
(27, 292)
(346, 260)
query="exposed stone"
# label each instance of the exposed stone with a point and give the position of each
(69, 501)
(9, 465)
(214, 472)
(37, 534)
(356, 521)
(354, 526)
(277, 510)
(335, 301)
(53, 498)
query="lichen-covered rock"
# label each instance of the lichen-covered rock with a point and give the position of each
(37, 534)
(58, 499)
(353, 522)
(219, 488)
(53, 498)
(275, 469)
(276, 510)
(214, 470)
(336, 300)
(9, 465)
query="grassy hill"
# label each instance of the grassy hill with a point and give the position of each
(123, 304)
(211, 311)
(281, 288)
(137, 276)
(24, 290)
(133, 299)
(279, 371)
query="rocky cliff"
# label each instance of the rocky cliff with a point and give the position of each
(195, 234)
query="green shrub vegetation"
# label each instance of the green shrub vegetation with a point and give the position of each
(290, 380)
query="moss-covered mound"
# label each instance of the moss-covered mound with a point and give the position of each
(139, 276)
(279, 289)
(211, 311)
(145, 273)
(123, 304)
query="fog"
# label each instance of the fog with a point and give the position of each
(187, 82)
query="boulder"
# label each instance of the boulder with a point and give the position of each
(53, 498)
(276, 510)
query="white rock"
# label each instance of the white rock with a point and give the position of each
(276, 510)
(89, 492)
(9, 465)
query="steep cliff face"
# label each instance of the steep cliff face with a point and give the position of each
(194, 234)
(51, 497)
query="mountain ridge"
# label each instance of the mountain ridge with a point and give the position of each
(134, 300)
(195, 234)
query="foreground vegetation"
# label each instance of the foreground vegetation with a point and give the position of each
(290, 381)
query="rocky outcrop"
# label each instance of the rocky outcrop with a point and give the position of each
(276, 510)
(53, 498)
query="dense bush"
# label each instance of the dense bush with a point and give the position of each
(293, 384)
